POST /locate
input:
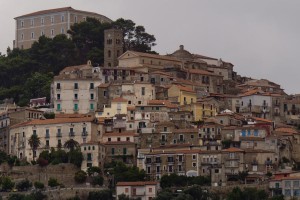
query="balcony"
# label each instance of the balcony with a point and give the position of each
(232, 157)
(180, 140)
(84, 134)
(58, 135)
(47, 136)
(72, 134)
(170, 160)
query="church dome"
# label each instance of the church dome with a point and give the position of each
(181, 53)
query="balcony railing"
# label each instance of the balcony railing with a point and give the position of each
(72, 134)
(232, 157)
(84, 133)
(58, 135)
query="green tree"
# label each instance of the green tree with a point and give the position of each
(24, 185)
(97, 180)
(164, 195)
(71, 144)
(39, 185)
(76, 157)
(135, 37)
(93, 170)
(80, 176)
(197, 193)
(34, 142)
(7, 183)
(103, 194)
(52, 182)
(123, 173)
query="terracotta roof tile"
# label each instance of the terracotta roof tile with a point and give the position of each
(186, 89)
(119, 99)
(232, 149)
(202, 72)
(137, 183)
(287, 130)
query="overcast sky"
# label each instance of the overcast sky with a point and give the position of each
(260, 37)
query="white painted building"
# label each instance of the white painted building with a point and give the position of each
(52, 133)
(74, 89)
(145, 190)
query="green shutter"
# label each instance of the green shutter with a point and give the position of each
(58, 107)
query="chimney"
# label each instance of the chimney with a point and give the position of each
(181, 47)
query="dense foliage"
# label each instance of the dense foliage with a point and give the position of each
(190, 193)
(247, 194)
(80, 176)
(181, 181)
(60, 156)
(103, 194)
(26, 74)
(33, 196)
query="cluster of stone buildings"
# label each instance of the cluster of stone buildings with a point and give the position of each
(179, 113)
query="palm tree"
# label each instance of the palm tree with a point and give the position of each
(34, 142)
(71, 144)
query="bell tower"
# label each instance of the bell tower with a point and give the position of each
(113, 47)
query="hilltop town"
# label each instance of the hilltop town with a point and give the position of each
(142, 124)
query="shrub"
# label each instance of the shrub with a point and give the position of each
(39, 185)
(42, 162)
(7, 183)
(97, 180)
(80, 176)
(24, 185)
(52, 182)
(92, 170)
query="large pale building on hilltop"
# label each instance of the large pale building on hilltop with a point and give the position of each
(30, 27)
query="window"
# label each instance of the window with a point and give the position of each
(256, 132)
(192, 136)
(194, 164)
(91, 106)
(127, 139)
(75, 19)
(34, 132)
(62, 31)
(139, 102)
(59, 142)
(296, 184)
(22, 36)
(181, 138)
(109, 139)
(129, 102)
(32, 35)
(126, 190)
(58, 96)
(124, 151)
(76, 107)
(113, 151)
(104, 93)
(32, 22)
(47, 133)
(92, 95)
(58, 86)
(194, 157)
(22, 23)
(84, 19)
(91, 85)
(52, 20)
(52, 32)
(118, 139)
(150, 190)
(42, 33)
(165, 129)
(143, 91)
(62, 18)
(42, 21)
(109, 53)
(58, 106)
(75, 96)
(287, 184)
(76, 86)
(47, 143)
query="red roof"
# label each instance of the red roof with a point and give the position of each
(137, 183)
(233, 149)
(119, 99)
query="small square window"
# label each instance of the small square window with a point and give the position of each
(194, 164)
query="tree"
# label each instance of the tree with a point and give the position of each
(7, 183)
(164, 195)
(80, 176)
(92, 170)
(71, 144)
(39, 185)
(197, 193)
(52, 182)
(34, 142)
(76, 157)
(135, 37)
(24, 185)
(97, 180)
(123, 173)
(103, 194)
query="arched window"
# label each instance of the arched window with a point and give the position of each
(109, 53)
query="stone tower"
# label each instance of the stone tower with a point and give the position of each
(113, 47)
